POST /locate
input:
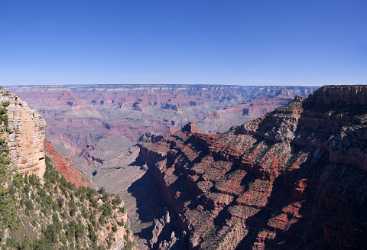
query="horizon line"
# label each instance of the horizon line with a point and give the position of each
(275, 84)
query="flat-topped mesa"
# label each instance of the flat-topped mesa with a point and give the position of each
(332, 97)
(26, 135)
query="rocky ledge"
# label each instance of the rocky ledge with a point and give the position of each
(294, 179)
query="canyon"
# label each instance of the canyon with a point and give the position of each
(183, 125)
(257, 168)
(95, 129)
(292, 179)
(94, 124)
(39, 207)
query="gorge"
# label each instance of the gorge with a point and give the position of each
(95, 128)
(256, 168)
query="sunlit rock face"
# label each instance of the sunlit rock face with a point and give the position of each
(26, 135)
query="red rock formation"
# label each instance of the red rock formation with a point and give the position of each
(96, 125)
(64, 167)
(294, 179)
(86, 122)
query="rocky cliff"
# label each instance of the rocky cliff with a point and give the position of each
(26, 135)
(39, 208)
(293, 179)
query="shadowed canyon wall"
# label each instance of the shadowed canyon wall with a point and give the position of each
(293, 179)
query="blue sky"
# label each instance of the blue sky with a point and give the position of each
(219, 42)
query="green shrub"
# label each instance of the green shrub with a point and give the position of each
(51, 233)
(122, 210)
(27, 203)
(106, 210)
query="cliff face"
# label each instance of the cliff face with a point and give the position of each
(294, 179)
(26, 135)
(39, 208)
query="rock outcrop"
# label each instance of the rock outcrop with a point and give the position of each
(26, 135)
(41, 209)
(293, 179)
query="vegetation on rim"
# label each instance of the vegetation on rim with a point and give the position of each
(55, 214)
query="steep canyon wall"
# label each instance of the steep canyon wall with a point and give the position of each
(26, 135)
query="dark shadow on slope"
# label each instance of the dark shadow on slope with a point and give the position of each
(148, 202)
(150, 207)
(280, 197)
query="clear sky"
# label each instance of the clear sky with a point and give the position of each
(186, 41)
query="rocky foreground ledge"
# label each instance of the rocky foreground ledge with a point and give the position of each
(294, 179)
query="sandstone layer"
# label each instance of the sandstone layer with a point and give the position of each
(293, 179)
(26, 135)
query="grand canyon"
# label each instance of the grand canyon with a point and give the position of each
(98, 129)
(183, 125)
(195, 167)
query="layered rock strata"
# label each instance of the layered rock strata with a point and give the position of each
(293, 179)
(65, 168)
(26, 135)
